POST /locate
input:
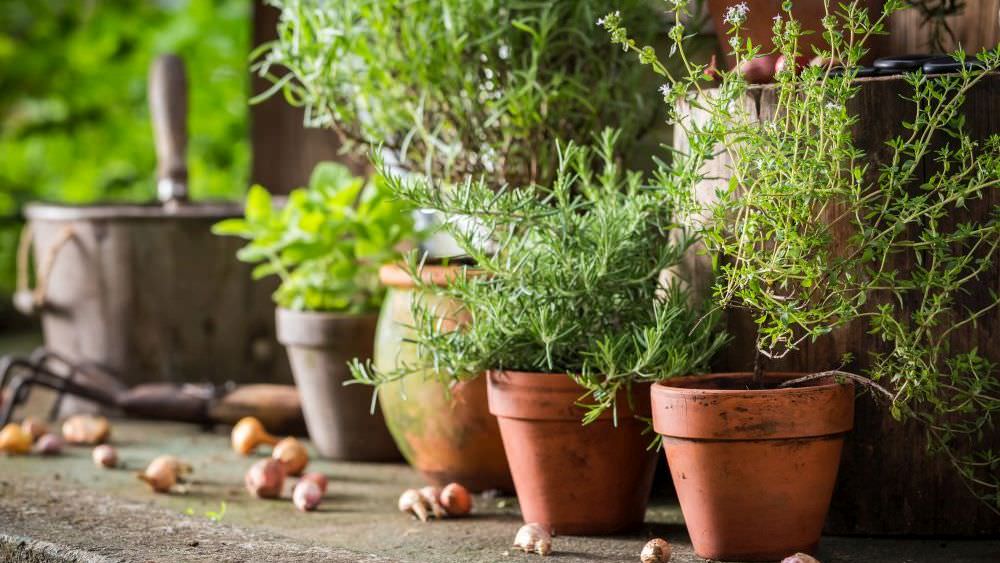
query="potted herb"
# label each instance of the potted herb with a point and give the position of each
(571, 319)
(449, 89)
(812, 234)
(326, 243)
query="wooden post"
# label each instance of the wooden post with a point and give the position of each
(284, 151)
(888, 484)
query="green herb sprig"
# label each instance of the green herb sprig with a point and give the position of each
(326, 242)
(567, 279)
(459, 87)
(797, 182)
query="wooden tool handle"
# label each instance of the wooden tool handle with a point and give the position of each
(168, 107)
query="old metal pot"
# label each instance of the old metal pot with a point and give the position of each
(147, 290)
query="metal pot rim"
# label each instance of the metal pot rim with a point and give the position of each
(152, 211)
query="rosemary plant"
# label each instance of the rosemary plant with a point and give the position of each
(458, 87)
(567, 279)
(912, 253)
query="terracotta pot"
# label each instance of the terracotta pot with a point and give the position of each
(571, 478)
(447, 437)
(338, 417)
(759, 24)
(754, 469)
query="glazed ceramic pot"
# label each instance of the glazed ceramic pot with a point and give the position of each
(338, 417)
(448, 435)
(754, 469)
(573, 479)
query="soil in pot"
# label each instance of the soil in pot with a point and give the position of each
(446, 435)
(338, 417)
(571, 478)
(754, 469)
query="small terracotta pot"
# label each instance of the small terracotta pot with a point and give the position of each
(338, 417)
(571, 478)
(446, 435)
(754, 469)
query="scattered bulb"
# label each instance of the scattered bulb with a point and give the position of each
(412, 502)
(86, 429)
(533, 538)
(164, 472)
(49, 444)
(105, 456)
(456, 500)
(292, 455)
(265, 478)
(655, 551)
(306, 495)
(249, 433)
(14, 440)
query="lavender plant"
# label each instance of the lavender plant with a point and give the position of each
(459, 87)
(797, 178)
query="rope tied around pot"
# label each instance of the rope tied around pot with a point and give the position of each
(28, 300)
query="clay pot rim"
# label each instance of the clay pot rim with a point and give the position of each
(553, 397)
(814, 411)
(689, 385)
(313, 328)
(394, 275)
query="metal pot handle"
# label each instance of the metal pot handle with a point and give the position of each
(32, 301)
(168, 107)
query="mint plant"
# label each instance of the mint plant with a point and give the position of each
(459, 87)
(811, 233)
(326, 242)
(567, 279)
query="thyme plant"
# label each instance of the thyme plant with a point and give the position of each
(567, 279)
(458, 87)
(811, 233)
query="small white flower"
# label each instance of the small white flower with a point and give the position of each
(605, 19)
(777, 18)
(736, 14)
(664, 89)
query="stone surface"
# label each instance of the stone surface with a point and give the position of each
(66, 509)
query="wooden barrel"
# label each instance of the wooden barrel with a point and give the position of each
(888, 484)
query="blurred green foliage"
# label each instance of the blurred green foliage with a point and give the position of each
(74, 123)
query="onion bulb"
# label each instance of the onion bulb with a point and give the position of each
(265, 478)
(306, 495)
(248, 434)
(86, 429)
(35, 427)
(164, 472)
(318, 478)
(14, 440)
(411, 501)
(292, 455)
(49, 444)
(657, 550)
(533, 538)
(105, 456)
(430, 496)
(455, 499)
